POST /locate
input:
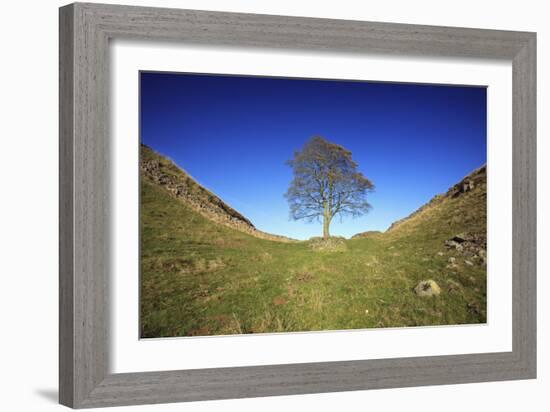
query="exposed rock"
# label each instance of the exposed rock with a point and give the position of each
(482, 253)
(469, 183)
(179, 184)
(427, 288)
(474, 181)
(453, 244)
(452, 263)
(470, 245)
(468, 263)
(332, 244)
(460, 238)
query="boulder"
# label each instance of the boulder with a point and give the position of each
(427, 288)
(461, 237)
(453, 244)
(468, 244)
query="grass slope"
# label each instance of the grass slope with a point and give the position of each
(203, 278)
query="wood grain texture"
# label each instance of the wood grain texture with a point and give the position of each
(524, 211)
(66, 183)
(83, 344)
(85, 31)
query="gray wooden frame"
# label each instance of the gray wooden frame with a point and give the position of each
(85, 31)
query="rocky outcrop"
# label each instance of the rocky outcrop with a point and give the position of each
(470, 182)
(332, 244)
(162, 172)
(470, 245)
(475, 179)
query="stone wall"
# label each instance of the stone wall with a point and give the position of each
(162, 172)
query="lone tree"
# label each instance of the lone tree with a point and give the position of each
(326, 183)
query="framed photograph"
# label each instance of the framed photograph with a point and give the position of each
(256, 205)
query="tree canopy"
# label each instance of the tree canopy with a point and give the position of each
(326, 183)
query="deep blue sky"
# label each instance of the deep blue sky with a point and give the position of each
(234, 133)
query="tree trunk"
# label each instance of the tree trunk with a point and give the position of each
(326, 222)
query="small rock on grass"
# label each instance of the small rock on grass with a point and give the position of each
(427, 288)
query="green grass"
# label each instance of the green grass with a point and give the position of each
(202, 278)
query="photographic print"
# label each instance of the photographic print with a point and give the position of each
(272, 205)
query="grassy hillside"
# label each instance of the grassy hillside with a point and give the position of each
(180, 185)
(202, 277)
